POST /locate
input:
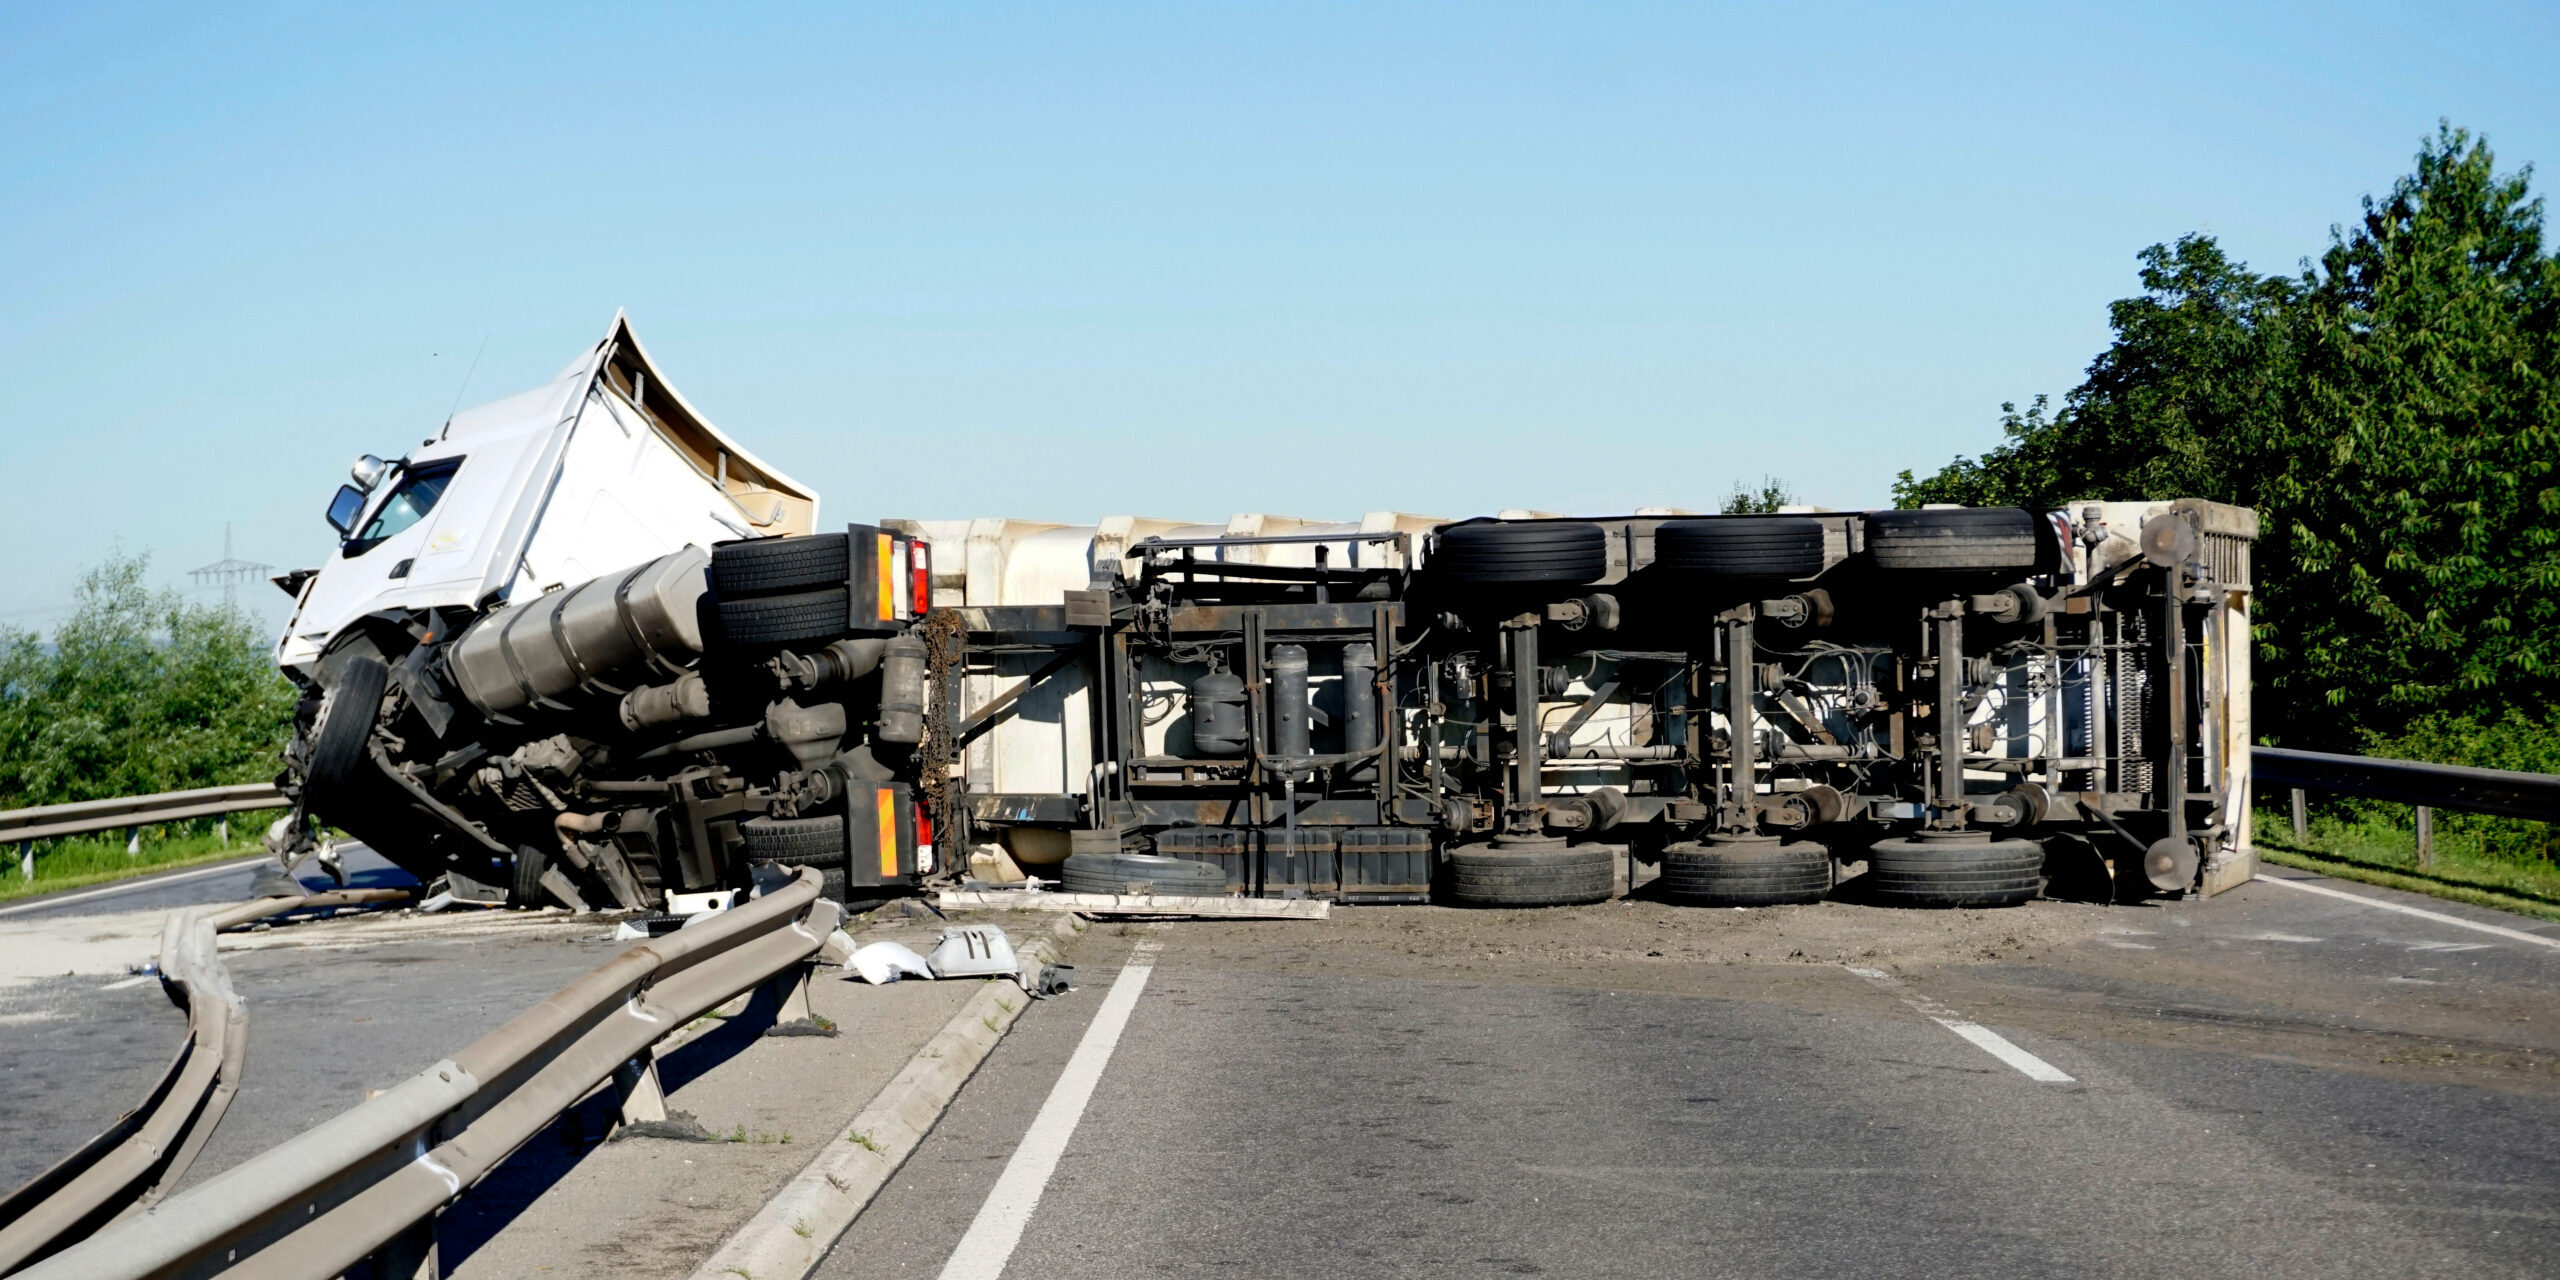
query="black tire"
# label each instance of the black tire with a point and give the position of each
(1500, 553)
(835, 887)
(1941, 873)
(1964, 539)
(1115, 873)
(340, 759)
(1757, 872)
(792, 619)
(524, 888)
(796, 842)
(780, 566)
(1492, 875)
(1740, 547)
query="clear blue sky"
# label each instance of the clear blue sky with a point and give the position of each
(1065, 261)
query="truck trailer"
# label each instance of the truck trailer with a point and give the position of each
(1520, 710)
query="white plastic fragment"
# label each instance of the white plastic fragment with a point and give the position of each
(972, 951)
(703, 904)
(885, 962)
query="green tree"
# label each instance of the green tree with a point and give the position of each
(2414, 506)
(137, 692)
(2389, 414)
(2194, 380)
(1772, 494)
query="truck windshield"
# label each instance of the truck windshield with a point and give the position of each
(409, 502)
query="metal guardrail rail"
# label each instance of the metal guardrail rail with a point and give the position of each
(46, 822)
(2504, 792)
(370, 1182)
(150, 1148)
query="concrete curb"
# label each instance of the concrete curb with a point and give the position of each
(795, 1229)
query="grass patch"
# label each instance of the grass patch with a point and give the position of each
(2378, 851)
(86, 860)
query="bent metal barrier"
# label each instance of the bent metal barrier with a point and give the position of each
(151, 1146)
(370, 1182)
(2504, 792)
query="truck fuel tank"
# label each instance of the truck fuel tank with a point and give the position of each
(570, 641)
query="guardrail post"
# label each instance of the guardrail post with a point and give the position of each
(793, 988)
(643, 1101)
(2426, 836)
(2301, 816)
(410, 1255)
(133, 842)
(26, 859)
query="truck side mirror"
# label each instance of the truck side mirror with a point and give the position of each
(344, 509)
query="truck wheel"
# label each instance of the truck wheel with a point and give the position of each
(1115, 872)
(1954, 873)
(1745, 871)
(1547, 873)
(1495, 553)
(1972, 539)
(524, 888)
(342, 732)
(777, 566)
(1740, 547)
(788, 619)
(796, 842)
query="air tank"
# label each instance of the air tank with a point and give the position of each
(1289, 718)
(1359, 700)
(1217, 714)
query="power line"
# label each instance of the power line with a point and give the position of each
(228, 573)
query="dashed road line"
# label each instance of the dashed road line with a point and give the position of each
(1974, 1033)
(2437, 916)
(994, 1233)
(129, 982)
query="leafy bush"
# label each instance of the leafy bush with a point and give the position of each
(137, 692)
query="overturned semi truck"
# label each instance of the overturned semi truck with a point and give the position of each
(579, 646)
(1973, 703)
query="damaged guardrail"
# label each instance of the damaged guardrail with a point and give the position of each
(149, 1149)
(369, 1183)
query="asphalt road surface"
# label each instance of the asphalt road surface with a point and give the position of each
(2275, 1082)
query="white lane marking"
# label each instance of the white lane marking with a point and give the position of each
(131, 886)
(129, 982)
(1992, 1043)
(2437, 916)
(1974, 1033)
(2280, 937)
(2448, 946)
(997, 1229)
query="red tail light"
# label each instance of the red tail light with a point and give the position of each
(920, 576)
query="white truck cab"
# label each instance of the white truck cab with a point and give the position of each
(601, 468)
